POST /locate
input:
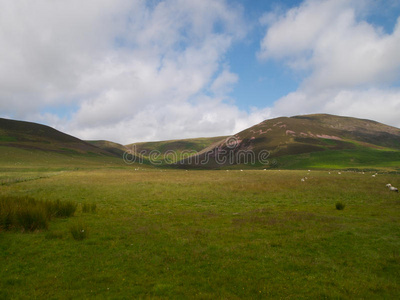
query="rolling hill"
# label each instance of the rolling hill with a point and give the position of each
(292, 141)
(180, 149)
(27, 144)
(111, 147)
(298, 142)
(28, 135)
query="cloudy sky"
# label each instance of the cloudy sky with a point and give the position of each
(136, 70)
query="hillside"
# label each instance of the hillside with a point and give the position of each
(28, 135)
(111, 147)
(27, 144)
(283, 139)
(307, 141)
(179, 148)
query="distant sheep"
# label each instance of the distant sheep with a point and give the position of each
(392, 188)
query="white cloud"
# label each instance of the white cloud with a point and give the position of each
(129, 70)
(205, 117)
(224, 82)
(353, 66)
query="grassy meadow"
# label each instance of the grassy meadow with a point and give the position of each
(249, 234)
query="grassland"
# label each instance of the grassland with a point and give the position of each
(358, 158)
(205, 235)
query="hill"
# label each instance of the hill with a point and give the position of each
(281, 141)
(173, 150)
(307, 141)
(111, 147)
(27, 144)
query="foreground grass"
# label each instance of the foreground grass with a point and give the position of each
(209, 234)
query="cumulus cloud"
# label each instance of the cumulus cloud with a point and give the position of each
(124, 70)
(352, 66)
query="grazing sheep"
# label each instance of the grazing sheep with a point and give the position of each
(339, 173)
(373, 175)
(388, 185)
(393, 189)
(302, 180)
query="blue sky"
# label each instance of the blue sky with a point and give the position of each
(134, 70)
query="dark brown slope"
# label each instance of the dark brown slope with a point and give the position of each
(28, 135)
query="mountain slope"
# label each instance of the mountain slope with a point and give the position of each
(296, 135)
(33, 136)
(111, 147)
(178, 148)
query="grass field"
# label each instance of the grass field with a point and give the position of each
(205, 234)
(360, 158)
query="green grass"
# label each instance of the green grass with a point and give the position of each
(79, 231)
(13, 160)
(208, 235)
(361, 158)
(31, 214)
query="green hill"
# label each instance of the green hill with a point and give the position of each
(27, 144)
(173, 150)
(28, 135)
(111, 147)
(283, 141)
(307, 141)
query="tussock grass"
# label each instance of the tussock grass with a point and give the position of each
(340, 205)
(79, 231)
(30, 214)
(60, 209)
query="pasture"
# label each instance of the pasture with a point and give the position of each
(205, 235)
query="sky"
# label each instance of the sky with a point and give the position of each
(134, 70)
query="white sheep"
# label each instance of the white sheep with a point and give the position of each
(388, 185)
(393, 189)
